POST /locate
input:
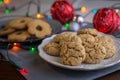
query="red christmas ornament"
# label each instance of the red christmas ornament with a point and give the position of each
(106, 20)
(62, 11)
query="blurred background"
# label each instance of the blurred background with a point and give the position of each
(21, 7)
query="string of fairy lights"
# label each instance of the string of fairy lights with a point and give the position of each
(82, 9)
(38, 15)
(8, 10)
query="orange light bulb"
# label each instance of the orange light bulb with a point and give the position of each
(15, 48)
(6, 1)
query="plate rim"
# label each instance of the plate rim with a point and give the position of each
(72, 67)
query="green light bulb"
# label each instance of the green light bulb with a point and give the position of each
(66, 25)
(1, 1)
(32, 50)
(7, 11)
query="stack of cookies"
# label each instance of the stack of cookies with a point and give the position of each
(22, 28)
(87, 46)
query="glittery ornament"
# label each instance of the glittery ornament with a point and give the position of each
(62, 11)
(73, 26)
(106, 20)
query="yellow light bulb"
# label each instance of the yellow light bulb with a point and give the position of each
(14, 44)
(38, 15)
(83, 9)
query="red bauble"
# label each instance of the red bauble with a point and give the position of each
(62, 11)
(106, 20)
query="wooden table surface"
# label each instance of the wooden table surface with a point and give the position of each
(112, 76)
(7, 72)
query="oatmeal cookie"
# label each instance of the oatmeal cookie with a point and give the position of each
(67, 37)
(52, 49)
(108, 43)
(104, 39)
(90, 31)
(87, 39)
(110, 50)
(72, 53)
(59, 37)
(95, 54)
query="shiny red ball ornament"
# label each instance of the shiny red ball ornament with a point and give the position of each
(62, 11)
(106, 20)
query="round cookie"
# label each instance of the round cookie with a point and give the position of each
(87, 40)
(6, 31)
(52, 49)
(108, 43)
(59, 37)
(110, 50)
(18, 36)
(20, 23)
(90, 31)
(95, 54)
(39, 28)
(72, 53)
(6, 25)
(104, 39)
(67, 37)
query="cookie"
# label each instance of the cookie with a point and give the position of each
(5, 31)
(72, 53)
(104, 39)
(52, 49)
(18, 36)
(39, 28)
(95, 54)
(6, 25)
(87, 40)
(20, 23)
(90, 31)
(67, 37)
(110, 50)
(59, 37)
(108, 43)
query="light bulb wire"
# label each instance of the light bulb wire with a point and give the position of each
(8, 46)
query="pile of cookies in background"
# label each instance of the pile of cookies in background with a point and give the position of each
(22, 28)
(87, 46)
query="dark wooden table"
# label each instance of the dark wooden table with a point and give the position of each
(112, 76)
(8, 72)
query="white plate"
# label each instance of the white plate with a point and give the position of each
(55, 60)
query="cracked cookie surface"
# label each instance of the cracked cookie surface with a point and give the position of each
(72, 53)
(87, 39)
(67, 37)
(52, 48)
(95, 54)
(90, 31)
(108, 43)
